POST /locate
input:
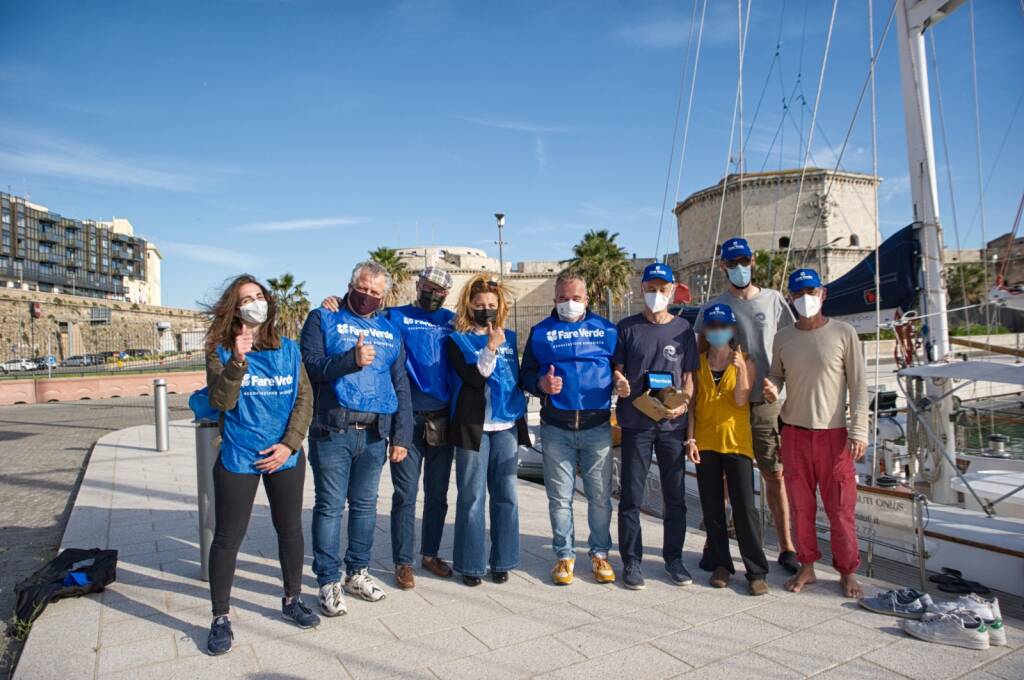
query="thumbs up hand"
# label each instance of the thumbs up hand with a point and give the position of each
(365, 354)
(770, 391)
(621, 384)
(243, 343)
(550, 383)
(495, 336)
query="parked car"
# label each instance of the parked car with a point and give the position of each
(19, 365)
(44, 361)
(78, 360)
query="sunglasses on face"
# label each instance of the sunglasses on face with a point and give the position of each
(742, 261)
(481, 286)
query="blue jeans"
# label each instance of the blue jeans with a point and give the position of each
(436, 462)
(591, 451)
(491, 469)
(346, 465)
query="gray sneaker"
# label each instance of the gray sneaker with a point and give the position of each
(958, 628)
(906, 603)
(986, 610)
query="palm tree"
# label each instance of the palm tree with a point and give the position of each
(603, 263)
(388, 258)
(768, 267)
(292, 304)
(966, 283)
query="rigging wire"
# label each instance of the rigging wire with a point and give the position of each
(675, 131)
(872, 55)
(998, 156)
(849, 132)
(810, 133)
(977, 154)
(689, 104)
(728, 153)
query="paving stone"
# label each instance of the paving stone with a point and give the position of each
(746, 665)
(135, 654)
(819, 648)
(860, 669)
(429, 619)
(1010, 667)
(502, 631)
(524, 660)
(402, 656)
(643, 662)
(929, 661)
(711, 642)
(240, 662)
(794, 613)
(612, 634)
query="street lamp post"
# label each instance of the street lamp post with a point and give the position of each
(501, 244)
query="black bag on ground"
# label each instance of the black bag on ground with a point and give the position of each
(72, 573)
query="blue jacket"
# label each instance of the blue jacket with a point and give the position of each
(323, 370)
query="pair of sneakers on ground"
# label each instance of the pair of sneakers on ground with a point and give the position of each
(969, 621)
(358, 584)
(294, 609)
(632, 574)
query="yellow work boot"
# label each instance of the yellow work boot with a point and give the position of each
(562, 573)
(603, 572)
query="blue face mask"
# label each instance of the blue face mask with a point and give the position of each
(739, 276)
(718, 337)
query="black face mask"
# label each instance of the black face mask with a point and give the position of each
(362, 303)
(430, 301)
(482, 317)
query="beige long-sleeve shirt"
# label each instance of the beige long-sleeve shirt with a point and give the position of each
(819, 368)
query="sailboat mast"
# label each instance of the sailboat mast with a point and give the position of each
(913, 18)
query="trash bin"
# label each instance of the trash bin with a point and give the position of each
(206, 458)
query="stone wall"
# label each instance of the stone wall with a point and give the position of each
(70, 325)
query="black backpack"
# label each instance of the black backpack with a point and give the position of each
(72, 573)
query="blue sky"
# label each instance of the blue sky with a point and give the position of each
(274, 136)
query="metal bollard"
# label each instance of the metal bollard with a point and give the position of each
(163, 432)
(206, 458)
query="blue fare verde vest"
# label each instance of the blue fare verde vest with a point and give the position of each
(581, 353)
(265, 402)
(424, 335)
(369, 389)
(507, 401)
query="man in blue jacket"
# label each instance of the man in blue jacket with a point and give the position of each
(424, 325)
(568, 364)
(362, 408)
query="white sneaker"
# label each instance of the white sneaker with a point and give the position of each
(958, 628)
(332, 601)
(986, 610)
(361, 584)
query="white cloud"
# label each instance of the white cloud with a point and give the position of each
(517, 126)
(303, 225)
(541, 152)
(223, 257)
(49, 155)
(894, 187)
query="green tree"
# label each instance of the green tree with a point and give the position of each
(768, 267)
(292, 304)
(603, 263)
(965, 283)
(388, 258)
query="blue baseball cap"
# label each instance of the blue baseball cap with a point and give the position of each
(719, 313)
(735, 248)
(803, 278)
(658, 270)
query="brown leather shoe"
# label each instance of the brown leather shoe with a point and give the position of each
(758, 587)
(720, 578)
(437, 566)
(404, 578)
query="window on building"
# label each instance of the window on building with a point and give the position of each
(784, 242)
(7, 216)
(854, 241)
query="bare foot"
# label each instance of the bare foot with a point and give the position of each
(850, 586)
(804, 577)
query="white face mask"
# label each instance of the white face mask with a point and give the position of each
(570, 310)
(807, 305)
(254, 312)
(656, 302)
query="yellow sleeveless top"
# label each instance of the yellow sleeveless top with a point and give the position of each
(720, 425)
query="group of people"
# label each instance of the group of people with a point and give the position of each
(421, 386)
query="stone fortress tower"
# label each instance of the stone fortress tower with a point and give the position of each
(841, 203)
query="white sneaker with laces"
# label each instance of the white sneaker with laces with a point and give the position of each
(332, 601)
(986, 610)
(361, 584)
(958, 628)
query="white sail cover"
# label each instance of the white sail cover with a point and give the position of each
(982, 371)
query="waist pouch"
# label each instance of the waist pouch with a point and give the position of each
(435, 427)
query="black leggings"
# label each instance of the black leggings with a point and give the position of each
(739, 477)
(234, 496)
